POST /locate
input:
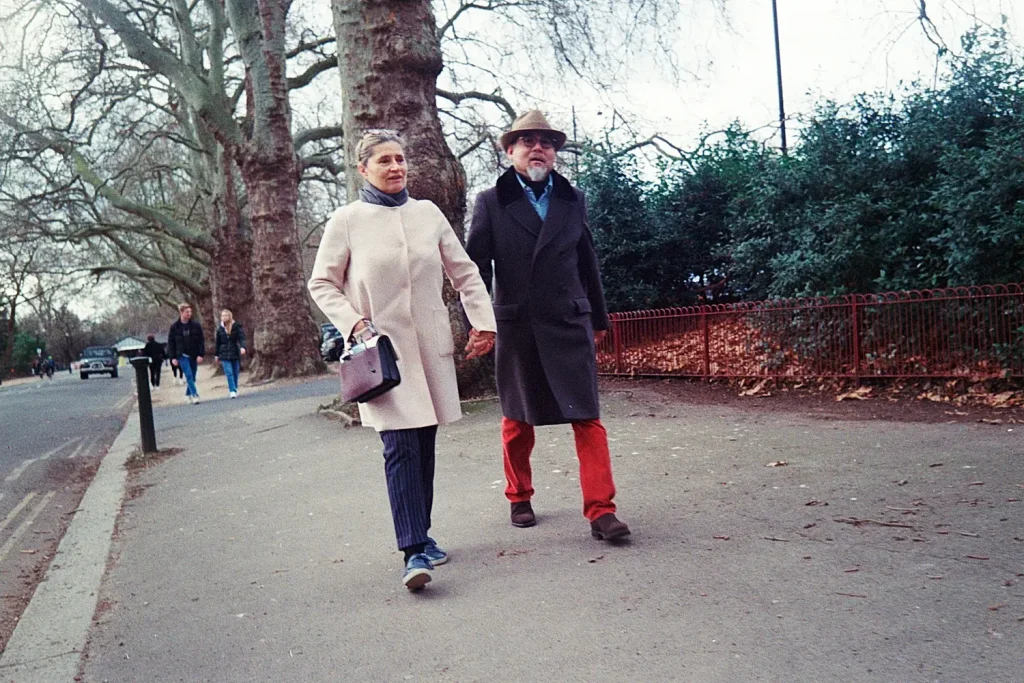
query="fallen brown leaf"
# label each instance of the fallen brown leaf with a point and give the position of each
(1000, 400)
(721, 538)
(975, 557)
(852, 595)
(777, 463)
(756, 389)
(860, 394)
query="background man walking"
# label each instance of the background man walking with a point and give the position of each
(530, 234)
(155, 351)
(185, 347)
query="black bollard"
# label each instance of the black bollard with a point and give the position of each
(141, 364)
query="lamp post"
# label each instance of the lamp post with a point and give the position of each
(778, 73)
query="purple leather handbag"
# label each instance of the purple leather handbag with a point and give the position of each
(369, 369)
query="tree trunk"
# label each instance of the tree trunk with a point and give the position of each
(389, 58)
(285, 335)
(231, 260)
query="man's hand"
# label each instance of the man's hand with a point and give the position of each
(242, 350)
(480, 344)
(199, 359)
(174, 361)
(216, 359)
(599, 336)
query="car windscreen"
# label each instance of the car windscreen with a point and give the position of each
(97, 352)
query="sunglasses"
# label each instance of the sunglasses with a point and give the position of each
(530, 141)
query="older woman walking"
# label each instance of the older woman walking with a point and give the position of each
(381, 260)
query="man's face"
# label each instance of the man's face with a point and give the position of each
(186, 315)
(533, 155)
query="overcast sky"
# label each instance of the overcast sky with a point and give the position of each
(830, 48)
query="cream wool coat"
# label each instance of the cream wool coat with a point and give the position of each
(386, 264)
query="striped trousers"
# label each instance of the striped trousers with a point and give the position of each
(409, 470)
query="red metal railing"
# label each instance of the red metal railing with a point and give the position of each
(975, 332)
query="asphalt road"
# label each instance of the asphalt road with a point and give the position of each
(53, 434)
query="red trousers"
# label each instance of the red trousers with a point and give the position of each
(591, 450)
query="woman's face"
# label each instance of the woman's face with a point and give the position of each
(386, 169)
(225, 317)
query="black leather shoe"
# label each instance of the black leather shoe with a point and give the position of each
(608, 528)
(522, 514)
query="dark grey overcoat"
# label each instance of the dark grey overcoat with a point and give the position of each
(547, 297)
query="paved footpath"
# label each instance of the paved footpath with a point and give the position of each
(879, 552)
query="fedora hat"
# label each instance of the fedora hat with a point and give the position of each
(532, 121)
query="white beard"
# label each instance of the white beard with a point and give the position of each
(537, 173)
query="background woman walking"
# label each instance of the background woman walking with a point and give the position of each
(230, 349)
(381, 259)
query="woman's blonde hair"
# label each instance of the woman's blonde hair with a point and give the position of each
(374, 137)
(230, 314)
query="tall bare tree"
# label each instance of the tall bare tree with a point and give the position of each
(262, 146)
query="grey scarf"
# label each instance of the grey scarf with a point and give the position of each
(373, 195)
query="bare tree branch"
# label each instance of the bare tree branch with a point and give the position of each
(456, 98)
(314, 70)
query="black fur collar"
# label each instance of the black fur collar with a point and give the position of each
(509, 189)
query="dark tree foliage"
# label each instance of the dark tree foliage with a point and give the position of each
(878, 195)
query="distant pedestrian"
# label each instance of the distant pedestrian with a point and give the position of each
(49, 367)
(381, 259)
(185, 347)
(155, 351)
(230, 349)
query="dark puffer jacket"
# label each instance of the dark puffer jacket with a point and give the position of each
(229, 343)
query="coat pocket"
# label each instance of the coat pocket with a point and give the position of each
(443, 330)
(582, 306)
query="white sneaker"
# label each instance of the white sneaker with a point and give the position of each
(233, 394)
(195, 399)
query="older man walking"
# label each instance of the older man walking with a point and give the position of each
(529, 233)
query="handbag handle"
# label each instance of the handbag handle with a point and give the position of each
(357, 342)
(369, 332)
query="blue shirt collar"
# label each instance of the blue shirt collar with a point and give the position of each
(527, 188)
